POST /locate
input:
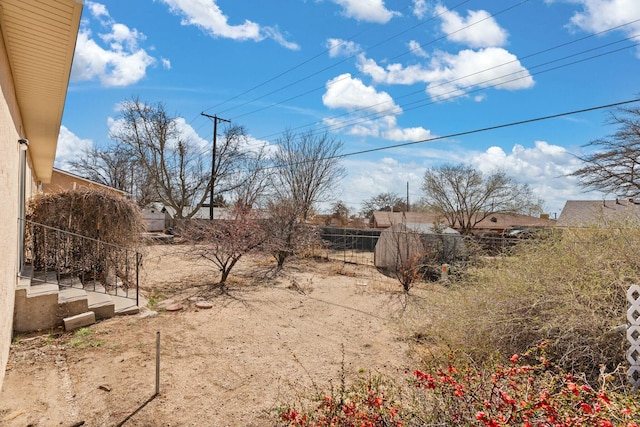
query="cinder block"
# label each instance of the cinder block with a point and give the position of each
(79, 321)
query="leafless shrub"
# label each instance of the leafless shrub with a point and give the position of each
(225, 242)
(104, 218)
(567, 290)
(286, 235)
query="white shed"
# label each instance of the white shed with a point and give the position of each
(433, 243)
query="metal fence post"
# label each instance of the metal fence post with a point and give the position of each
(633, 336)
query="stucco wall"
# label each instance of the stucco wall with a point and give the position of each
(61, 182)
(9, 194)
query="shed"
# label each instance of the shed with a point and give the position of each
(156, 219)
(430, 243)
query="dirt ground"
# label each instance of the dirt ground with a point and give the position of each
(266, 340)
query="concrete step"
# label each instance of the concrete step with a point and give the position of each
(35, 306)
(71, 301)
(47, 277)
(79, 321)
(70, 282)
(101, 304)
(125, 306)
(42, 304)
(42, 289)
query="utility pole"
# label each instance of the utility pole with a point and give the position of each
(216, 119)
(407, 208)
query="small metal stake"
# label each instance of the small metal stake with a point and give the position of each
(157, 363)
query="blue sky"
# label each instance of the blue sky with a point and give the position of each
(374, 73)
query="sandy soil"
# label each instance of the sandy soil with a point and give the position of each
(264, 342)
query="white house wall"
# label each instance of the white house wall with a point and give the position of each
(9, 194)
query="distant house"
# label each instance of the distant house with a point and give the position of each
(204, 212)
(384, 219)
(62, 181)
(496, 222)
(499, 222)
(599, 213)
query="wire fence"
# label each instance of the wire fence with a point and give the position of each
(357, 245)
(350, 245)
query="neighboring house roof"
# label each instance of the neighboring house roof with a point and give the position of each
(599, 213)
(494, 222)
(503, 221)
(62, 180)
(40, 39)
(383, 219)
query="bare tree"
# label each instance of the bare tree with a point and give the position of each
(465, 196)
(409, 257)
(307, 168)
(179, 174)
(251, 180)
(239, 168)
(109, 167)
(173, 164)
(286, 234)
(115, 167)
(225, 242)
(386, 202)
(340, 212)
(614, 166)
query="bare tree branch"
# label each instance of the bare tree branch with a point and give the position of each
(307, 168)
(614, 165)
(385, 202)
(465, 196)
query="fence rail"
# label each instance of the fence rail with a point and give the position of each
(71, 260)
(356, 246)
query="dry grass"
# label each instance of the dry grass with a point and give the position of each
(568, 290)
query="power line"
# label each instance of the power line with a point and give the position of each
(490, 128)
(462, 133)
(470, 132)
(362, 71)
(386, 40)
(482, 85)
(465, 89)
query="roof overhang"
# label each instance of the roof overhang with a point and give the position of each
(40, 39)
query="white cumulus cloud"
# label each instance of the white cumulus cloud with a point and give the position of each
(450, 75)
(366, 10)
(70, 147)
(376, 111)
(339, 47)
(545, 167)
(453, 74)
(420, 8)
(416, 49)
(121, 62)
(601, 15)
(478, 29)
(351, 93)
(207, 15)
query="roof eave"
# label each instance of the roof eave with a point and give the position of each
(40, 40)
